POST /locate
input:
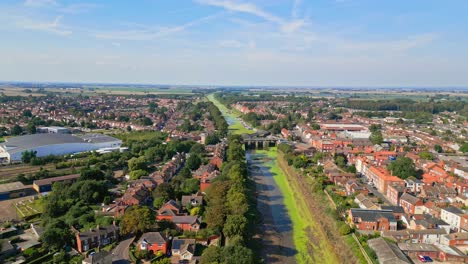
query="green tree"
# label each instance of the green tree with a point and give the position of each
(190, 186)
(376, 137)
(31, 128)
(28, 155)
(426, 155)
(137, 174)
(91, 174)
(164, 191)
(237, 254)
(235, 225)
(139, 163)
(463, 148)
(402, 167)
(16, 130)
(193, 162)
(438, 148)
(211, 255)
(136, 220)
(27, 113)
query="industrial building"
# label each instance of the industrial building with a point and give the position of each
(13, 190)
(45, 185)
(54, 144)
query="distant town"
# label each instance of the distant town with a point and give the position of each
(94, 173)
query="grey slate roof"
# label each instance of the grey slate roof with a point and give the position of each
(184, 219)
(409, 198)
(395, 209)
(372, 215)
(387, 253)
(152, 238)
(453, 210)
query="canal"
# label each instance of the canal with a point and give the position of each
(276, 226)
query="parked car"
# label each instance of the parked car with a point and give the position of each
(428, 259)
(421, 258)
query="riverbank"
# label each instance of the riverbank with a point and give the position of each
(311, 243)
(232, 117)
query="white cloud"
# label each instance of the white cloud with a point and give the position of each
(52, 27)
(143, 32)
(399, 45)
(236, 44)
(39, 3)
(77, 8)
(295, 8)
(252, 9)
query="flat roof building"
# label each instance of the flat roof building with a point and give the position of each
(13, 190)
(54, 144)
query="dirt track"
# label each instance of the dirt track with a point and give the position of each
(276, 226)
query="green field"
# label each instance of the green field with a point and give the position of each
(232, 117)
(304, 225)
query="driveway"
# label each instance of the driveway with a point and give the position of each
(120, 253)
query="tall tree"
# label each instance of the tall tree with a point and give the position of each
(136, 220)
(402, 167)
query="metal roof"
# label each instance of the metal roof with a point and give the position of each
(13, 186)
(22, 143)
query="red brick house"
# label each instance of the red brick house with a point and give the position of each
(153, 242)
(373, 220)
(168, 211)
(412, 205)
(187, 222)
(100, 236)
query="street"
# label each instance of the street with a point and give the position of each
(120, 253)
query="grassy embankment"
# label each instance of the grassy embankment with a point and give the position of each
(305, 227)
(232, 117)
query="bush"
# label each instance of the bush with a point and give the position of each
(344, 229)
(137, 174)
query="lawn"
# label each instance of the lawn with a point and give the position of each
(2, 139)
(304, 225)
(231, 116)
(29, 207)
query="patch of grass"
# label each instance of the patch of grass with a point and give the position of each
(28, 208)
(2, 140)
(355, 248)
(301, 218)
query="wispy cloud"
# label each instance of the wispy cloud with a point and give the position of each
(77, 8)
(143, 32)
(295, 8)
(54, 27)
(39, 3)
(390, 46)
(236, 44)
(249, 8)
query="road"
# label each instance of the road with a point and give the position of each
(276, 227)
(120, 253)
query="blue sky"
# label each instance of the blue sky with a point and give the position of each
(236, 42)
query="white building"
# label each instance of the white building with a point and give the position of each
(54, 144)
(452, 216)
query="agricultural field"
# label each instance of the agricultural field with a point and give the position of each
(312, 246)
(17, 91)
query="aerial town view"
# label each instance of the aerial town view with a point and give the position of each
(233, 132)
